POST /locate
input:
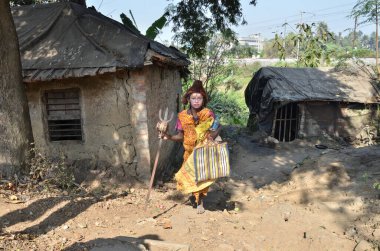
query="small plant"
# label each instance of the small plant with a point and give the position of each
(49, 173)
(376, 186)
(39, 165)
(365, 177)
(63, 177)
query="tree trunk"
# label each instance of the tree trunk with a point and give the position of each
(15, 127)
(354, 39)
(377, 41)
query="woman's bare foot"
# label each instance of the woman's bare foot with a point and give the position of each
(200, 208)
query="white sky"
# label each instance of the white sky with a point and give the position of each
(265, 18)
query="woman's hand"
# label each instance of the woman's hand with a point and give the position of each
(164, 135)
(209, 137)
(213, 134)
(162, 127)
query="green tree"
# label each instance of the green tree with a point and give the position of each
(322, 30)
(372, 41)
(242, 51)
(196, 21)
(280, 47)
(312, 44)
(211, 67)
(367, 11)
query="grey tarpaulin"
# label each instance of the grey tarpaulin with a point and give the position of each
(61, 40)
(272, 87)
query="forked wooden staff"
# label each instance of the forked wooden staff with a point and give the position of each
(161, 129)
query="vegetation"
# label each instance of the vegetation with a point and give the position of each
(313, 45)
(196, 21)
(242, 51)
(369, 10)
(28, 2)
(152, 31)
(224, 79)
(319, 45)
(47, 173)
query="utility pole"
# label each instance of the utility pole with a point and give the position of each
(354, 38)
(377, 39)
(284, 43)
(298, 41)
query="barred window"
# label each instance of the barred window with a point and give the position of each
(63, 114)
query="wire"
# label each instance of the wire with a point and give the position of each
(297, 15)
(296, 21)
(100, 5)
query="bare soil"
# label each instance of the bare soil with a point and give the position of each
(289, 197)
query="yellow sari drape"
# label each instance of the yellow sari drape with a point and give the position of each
(193, 135)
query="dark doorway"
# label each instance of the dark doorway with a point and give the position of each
(285, 124)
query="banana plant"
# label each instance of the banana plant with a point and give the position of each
(152, 31)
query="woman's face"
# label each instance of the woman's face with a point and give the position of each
(196, 100)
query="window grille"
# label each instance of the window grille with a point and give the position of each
(63, 114)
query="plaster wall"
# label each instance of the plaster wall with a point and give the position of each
(333, 118)
(164, 91)
(106, 122)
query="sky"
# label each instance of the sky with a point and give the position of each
(266, 18)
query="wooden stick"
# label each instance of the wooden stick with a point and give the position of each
(153, 174)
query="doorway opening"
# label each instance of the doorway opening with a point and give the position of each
(285, 124)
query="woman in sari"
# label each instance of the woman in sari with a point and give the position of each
(192, 128)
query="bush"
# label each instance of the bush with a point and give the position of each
(228, 109)
(49, 173)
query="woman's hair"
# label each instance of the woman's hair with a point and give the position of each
(197, 87)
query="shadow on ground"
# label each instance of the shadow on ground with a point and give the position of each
(142, 243)
(72, 207)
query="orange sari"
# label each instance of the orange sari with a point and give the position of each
(185, 181)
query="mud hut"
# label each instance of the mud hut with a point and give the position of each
(289, 103)
(95, 87)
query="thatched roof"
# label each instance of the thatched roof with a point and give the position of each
(272, 87)
(62, 40)
(275, 84)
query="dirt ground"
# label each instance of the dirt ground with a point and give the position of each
(289, 197)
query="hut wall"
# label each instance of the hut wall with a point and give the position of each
(164, 92)
(335, 119)
(107, 132)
